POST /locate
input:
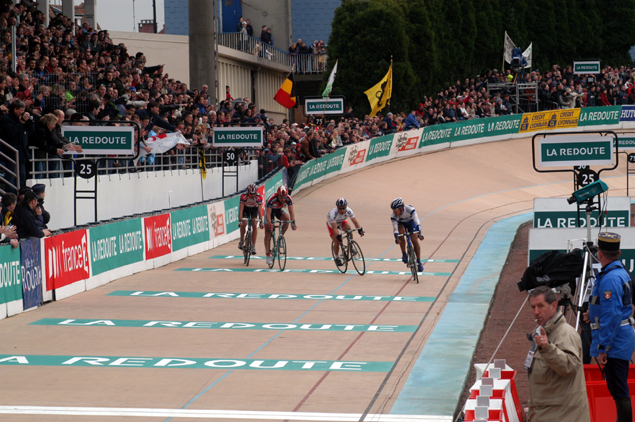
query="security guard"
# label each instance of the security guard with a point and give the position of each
(610, 311)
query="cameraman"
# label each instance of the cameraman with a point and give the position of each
(557, 390)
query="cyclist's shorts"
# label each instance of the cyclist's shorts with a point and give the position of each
(410, 226)
(339, 226)
(279, 213)
(250, 212)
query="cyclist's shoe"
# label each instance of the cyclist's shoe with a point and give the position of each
(338, 261)
(269, 259)
(404, 257)
(253, 250)
(240, 244)
(419, 266)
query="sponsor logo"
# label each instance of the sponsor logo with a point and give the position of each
(356, 156)
(158, 236)
(67, 259)
(404, 143)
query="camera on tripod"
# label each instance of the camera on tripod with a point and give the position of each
(588, 192)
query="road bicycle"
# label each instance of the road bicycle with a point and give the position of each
(412, 256)
(351, 251)
(278, 245)
(247, 240)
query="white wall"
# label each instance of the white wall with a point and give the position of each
(121, 195)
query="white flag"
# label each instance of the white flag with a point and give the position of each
(329, 85)
(162, 143)
(527, 54)
(509, 46)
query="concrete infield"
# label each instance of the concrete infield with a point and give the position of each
(143, 373)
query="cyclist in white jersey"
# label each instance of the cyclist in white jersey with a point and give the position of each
(336, 220)
(405, 217)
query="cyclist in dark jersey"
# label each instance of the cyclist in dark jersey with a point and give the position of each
(250, 207)
(275, 208)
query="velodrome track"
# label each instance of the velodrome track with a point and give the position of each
(349, 350)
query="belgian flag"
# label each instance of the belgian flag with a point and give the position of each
(285, 96)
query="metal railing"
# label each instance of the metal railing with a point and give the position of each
(6, 174)
(45, 166)
(305, 63)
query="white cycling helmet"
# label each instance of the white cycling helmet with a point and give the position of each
(397, 203)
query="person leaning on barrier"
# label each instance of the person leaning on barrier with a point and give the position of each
(25, 218)
(7, 229)
(610, 315)
(557, 389)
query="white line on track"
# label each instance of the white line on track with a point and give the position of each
(217, 414)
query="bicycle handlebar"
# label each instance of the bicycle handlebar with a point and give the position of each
(409, 233)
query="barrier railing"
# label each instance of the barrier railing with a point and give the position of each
(9, 177)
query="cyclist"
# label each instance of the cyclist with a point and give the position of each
(405, 217)
(250, 207)
(275, 208)
(336, 220)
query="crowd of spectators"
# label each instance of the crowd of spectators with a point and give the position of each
(78, 75)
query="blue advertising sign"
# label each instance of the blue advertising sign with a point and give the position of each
(627, 114)
(31, 272)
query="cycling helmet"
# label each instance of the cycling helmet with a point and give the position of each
(397, 203)
(252, 189)
(340, 203)
(282, 191)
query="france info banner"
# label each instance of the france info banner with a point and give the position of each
(190, 226)
(67, 259)
(30, 263)
(10, 280)
(115, 245)
(158, 236)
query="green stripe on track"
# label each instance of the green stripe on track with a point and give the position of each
(322, 258)
(306, 271)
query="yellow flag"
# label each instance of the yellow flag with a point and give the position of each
(379, 95)
(201, 163)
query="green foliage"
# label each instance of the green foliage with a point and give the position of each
(433, 43)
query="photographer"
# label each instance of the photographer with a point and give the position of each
(557, 390)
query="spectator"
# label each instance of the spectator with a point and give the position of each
(48, 146)
(250, 29)
(43, 216)
(15, 128)
(411, 121)
(265, 37)
(25, 218)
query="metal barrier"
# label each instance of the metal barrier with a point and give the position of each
(305, 63)
(7, 172)
(52, 167)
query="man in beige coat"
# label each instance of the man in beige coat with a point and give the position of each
(557, 391)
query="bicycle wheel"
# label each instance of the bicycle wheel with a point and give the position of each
(358, 258)
(247, 247)
(412, 262)
(342, 268)
(281, 251)
(272, 248)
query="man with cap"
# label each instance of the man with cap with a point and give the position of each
(610, 310)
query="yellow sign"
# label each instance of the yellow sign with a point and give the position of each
(549, 120)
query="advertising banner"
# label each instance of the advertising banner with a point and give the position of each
(471, 129)
(549, 120)
(406, 141)
(31, 266)
(579, 150)
(115, 245)
(67, 259)
(158, 236)
(271, 186)
(216, 212)
(237, 137)
(10, 277)
(355, 154)
(318, 168)
(101, 140)
(319, 106)
(190, 226)
(627, 114)
(231, 214)
(381, 147)
(552, 213)
(596, 116)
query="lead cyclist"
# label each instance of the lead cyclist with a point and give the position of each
(405, 217)
(336, 220)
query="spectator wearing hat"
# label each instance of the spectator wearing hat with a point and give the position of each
(43, 214)
(390, 123)
(610, 310)
(25, 218)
